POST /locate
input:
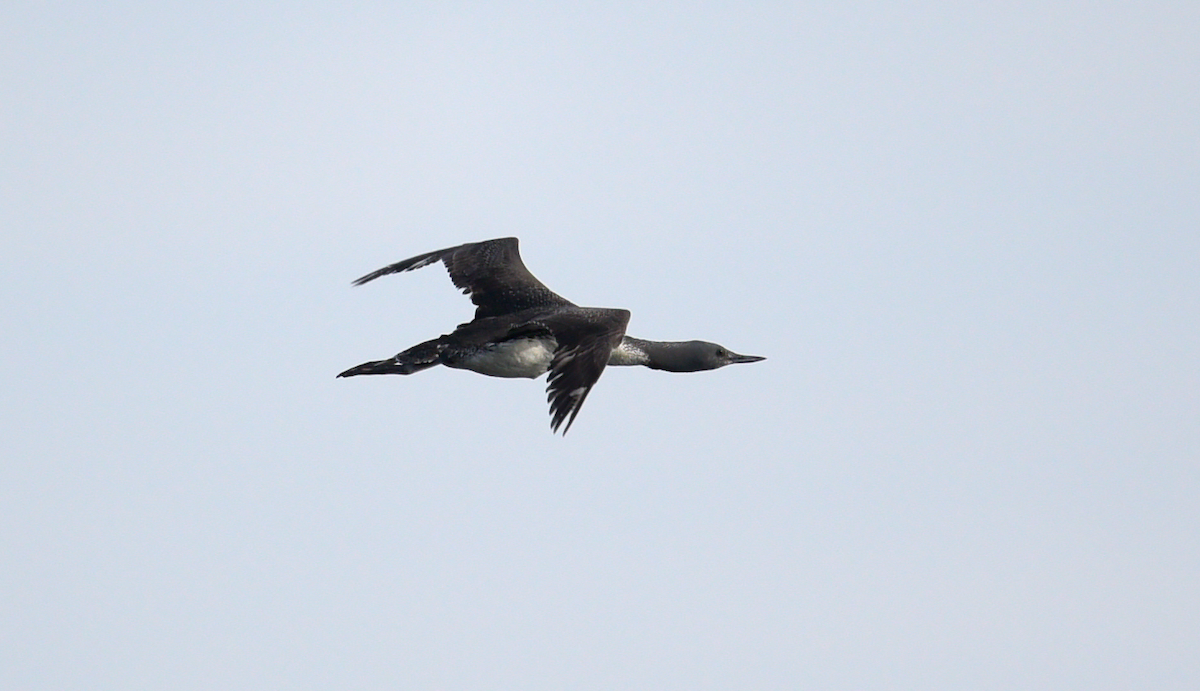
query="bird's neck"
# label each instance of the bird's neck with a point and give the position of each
(631, 351)
(638, 351)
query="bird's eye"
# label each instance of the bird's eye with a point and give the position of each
(720, 352)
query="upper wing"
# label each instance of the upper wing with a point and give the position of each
(586, 338)
(491, 272)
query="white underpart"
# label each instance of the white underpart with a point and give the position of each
(526, 357)
(627, 354)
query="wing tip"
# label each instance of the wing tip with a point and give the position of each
(410, 264)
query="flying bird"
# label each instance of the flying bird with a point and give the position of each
(523, 329)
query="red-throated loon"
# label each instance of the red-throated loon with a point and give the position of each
(523, 329)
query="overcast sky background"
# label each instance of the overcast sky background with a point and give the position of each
(965, 235)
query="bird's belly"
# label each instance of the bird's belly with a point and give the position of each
(525, 357)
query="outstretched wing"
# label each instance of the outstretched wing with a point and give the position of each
(491, 272)
(586, 337)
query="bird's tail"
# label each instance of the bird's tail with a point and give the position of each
(414, 359)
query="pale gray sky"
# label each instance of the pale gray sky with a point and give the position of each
(967, 237)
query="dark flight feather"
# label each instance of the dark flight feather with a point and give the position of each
(491, 272)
